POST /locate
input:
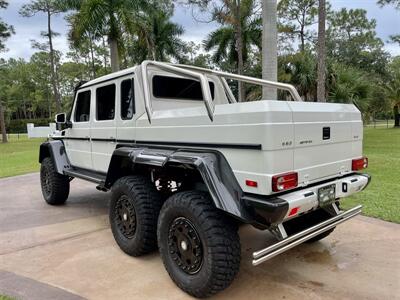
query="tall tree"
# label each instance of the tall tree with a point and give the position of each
(321, 52)
(269, 47)
(49, 8)
(5, 32)
(297, 16)
(352, 40)
(106, 17)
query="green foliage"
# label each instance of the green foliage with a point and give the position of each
(157, 38)
(223, 40)
(300, 70)
(352, 40)
(348, 84)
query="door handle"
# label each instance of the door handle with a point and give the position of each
(113, 140)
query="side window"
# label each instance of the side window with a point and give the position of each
(178, 88)
(105, 102)
(82, 107)
(127, 99)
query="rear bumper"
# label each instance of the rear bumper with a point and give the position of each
(277, 209)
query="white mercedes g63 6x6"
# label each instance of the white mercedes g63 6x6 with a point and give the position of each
(186, 164)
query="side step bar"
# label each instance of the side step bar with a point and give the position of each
(85, 175)
(299, 238)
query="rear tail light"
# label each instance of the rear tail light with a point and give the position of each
(284, 182)
(359, 163)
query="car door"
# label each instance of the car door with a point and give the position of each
(126, 111)
(103, 129)
(77, 138)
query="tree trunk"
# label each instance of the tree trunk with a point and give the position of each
(105, 55)
(3, 124)
(93, 67)
(396, 115)
(54, 79)
(302, 33)
(269, 47)
(321, 95)
(114, 54)
(239, 49)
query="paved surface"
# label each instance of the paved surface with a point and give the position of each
(69, 253)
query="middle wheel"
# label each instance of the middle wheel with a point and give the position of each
(134, 209)
(199, 245)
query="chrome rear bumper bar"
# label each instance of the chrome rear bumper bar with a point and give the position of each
(299, 238)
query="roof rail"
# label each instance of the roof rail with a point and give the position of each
(200, 75)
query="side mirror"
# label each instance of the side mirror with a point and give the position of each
(61, 118)
(62, 122)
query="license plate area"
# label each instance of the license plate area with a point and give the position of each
(327, 194)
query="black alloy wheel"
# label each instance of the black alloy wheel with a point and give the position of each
(185, 246)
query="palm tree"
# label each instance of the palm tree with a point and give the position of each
(269, 47)
(158, 36)
(300, 70)
(224, 40)
(106, 17)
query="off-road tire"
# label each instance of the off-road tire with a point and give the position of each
(303, 222)
(55, 187)
(140, 194)
(219, 238)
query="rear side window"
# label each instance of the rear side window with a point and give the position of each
(178, 88)
(105, 102)
(127, 99)
(82, 107)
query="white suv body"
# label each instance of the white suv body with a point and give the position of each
(259, 139)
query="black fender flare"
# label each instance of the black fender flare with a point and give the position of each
(213, 167)
(55, 149)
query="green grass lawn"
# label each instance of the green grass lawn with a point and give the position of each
(5, 298)
(19, 156)
(382, 146)
(381, 198)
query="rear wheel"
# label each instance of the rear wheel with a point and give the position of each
(55, 187)
(134, 209)
(199, 246)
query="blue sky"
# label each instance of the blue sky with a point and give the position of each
(388, 22)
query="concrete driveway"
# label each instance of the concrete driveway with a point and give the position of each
(68, 252)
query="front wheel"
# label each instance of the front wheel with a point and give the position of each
(55, 186)
(199, 246)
